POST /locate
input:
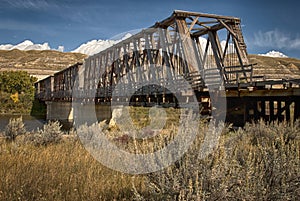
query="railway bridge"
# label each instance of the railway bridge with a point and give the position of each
(201, 57)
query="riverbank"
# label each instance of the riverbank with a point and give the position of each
(32, 123)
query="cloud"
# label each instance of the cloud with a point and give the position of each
(30, 4)
(274, 53)
(276, 39)
(29, 45)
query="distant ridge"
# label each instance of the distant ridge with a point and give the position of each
(275, 67)
(38, 63)
(42, 63)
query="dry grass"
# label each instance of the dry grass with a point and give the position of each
(62, 171)
(259, 162)
(38, 60)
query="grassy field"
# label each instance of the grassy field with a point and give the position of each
(259, 162)
(63, 171)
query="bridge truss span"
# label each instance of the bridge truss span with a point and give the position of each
(185, 44)
(192, 53)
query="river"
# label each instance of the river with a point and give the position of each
(31, 123)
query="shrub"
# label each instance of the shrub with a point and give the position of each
(259, 162)
(50, 134)
(14, 128)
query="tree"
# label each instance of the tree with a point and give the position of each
(17, 82)
(16, 92)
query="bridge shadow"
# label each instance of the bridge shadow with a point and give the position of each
(38, 109)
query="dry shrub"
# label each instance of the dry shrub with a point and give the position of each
(14, 128)
(259, 162)
(50, 134)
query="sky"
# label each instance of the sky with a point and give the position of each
(266, 24)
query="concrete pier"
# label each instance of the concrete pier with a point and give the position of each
(68, 111)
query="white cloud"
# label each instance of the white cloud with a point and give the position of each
(274, 53)
(276, 39)
(29, 45)
(95, 46)
(60, 48)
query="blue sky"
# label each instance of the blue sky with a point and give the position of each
(267, 25)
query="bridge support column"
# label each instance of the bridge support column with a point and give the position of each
(297, 108)
(59, 111)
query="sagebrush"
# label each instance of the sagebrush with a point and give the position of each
(50, 134)
(259, 162)
(14, 128)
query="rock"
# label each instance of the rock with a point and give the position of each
(116, 114)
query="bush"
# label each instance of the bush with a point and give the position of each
(50, 134)
(14, 128)
(259, 162)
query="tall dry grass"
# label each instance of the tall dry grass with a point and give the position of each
(63, 171)
(259, 162)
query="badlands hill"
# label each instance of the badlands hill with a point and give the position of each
(38, 63)
(275, 67)
(46, 62)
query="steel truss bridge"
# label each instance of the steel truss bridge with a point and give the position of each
(200, 55)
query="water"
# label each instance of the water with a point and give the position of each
(31, 123)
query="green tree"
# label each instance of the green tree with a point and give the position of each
(16, 92)
(17, 81)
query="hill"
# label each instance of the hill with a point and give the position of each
(276, 67)
(38, 63)
(46, 62)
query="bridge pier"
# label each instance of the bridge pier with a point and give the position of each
(64, 111)
(269, 108)
(59, 111)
